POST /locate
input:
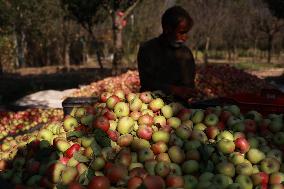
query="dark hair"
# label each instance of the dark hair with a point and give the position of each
(173, 16)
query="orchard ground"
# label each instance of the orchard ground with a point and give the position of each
(46, 86)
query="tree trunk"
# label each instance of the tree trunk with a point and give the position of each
(206, 50)
(117, 44)
(65, 48)
(270, 40)
(20, 46)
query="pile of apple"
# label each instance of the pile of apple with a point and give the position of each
(137, 140)
(19, 128)
(211, 81)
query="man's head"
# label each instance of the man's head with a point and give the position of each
(176, 22)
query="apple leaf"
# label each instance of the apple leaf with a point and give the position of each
(76, 134)
(80, 158)
(96, 148)
(102, 138)
(83, 179)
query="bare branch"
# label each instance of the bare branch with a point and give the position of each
(130, 9)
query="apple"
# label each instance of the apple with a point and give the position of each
(250, 125)
(162, 168)
(183, 132)
(154, 182)
(99, 182)
(125, 125)
(175, 140)
(112, 101)
(192, 155)
(121, 109)
(253, 142)
(276, 186)
(184, 114)
(146, 97)
(69, 175)
(191, 145)
(198, 116)
(255, 155)
(225, 135)
(275, 153)
(134, 182)
(110, 115)
(244, 181)
(55, 171)
(242, 144)
(116, 173)
(270, 165)
(222, 181)
(200, 127)
(167, 111)
(211, 119)
(102, 123)
(139, 143)
(81, 167)
(188, 123)
(278, 138)
(135, 115)
(175, 169)
(244, 168)
(260, 178)
(190, 182)
(199, 135)
(232, 120)
(145, 132)
(72, 162)
(145, 154)
(226, 168)
(135, 104)
(98, 163)
(234, 109)
(120, 93)
(45, 134)
(176, 154)
(163, 157)
(156, 104)
(130, 96)
(150, 166)
(236, 158)
(160, 120)
(104, 96)
(69, 123)
(276, 178)
(212, 132)
(276, 125)
(61, 144)
(226, 146)
(124, 157)
(113, 135)
(206, 176)
(125, 140)
(190, 166)
(159, 147)
(238, 127)
(161, 136)
(70, 151)
(146, 119)
(175, 181)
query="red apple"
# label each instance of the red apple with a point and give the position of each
(242, 145)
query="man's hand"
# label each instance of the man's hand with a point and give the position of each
(182, 92)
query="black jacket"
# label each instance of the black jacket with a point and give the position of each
(161, 65)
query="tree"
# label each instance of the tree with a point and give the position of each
(276, 7)
(118, 10)
(87, 13)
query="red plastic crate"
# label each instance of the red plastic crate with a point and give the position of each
(267, 102)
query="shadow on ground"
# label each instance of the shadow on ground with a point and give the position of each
(15, 86)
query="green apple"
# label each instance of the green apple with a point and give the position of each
(45, 134)
(199, 127)
(176, 154)
(174, 122)
(275, 153)
(190, 166)
(125, 125)
(175, 169)
(150, 166)
(70, 123)
(161, 136)
(190, 182)
(244, 181)
(226, 168)
(226, 146)
(222, 181)
(225, 135)
(236, 158)
(160, 120)
(139, 143)
(162, 168)
(198, 116)
(234, 186)
(255, 155)
(175, 140)
(98, 163)
(55, 171)
(270, 165)
(121, 109)
(156, 104)
(145, 154)
(135, 104)
(244, 168)
(87, 141)
(167, 111)
(206, 176)
(211, 119)
(199, 135)
(183, 132)
(191, 145)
